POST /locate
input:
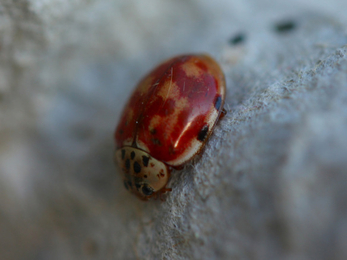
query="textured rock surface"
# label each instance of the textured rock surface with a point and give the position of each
(271, 183)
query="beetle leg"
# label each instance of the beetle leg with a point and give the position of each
(222, 113)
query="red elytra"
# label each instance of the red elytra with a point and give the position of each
(167, 121)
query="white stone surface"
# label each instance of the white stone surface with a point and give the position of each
(271, 183)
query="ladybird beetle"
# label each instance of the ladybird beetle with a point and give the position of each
(167, 121)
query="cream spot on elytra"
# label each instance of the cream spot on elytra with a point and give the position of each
(191, 69)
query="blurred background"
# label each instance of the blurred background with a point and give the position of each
(66, 71)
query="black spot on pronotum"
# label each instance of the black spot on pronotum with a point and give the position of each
(145, 160)
(153, 131)
(138, 186)
(132, 155)
(285, 26)
(137, 167)
(127, 164)
(218, 102)
(237, 39)
(123, 154)
(203, 133)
